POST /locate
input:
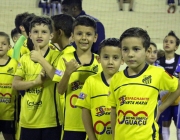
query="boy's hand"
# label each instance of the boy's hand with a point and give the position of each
(40, 78)
(36, 54)
(71, 66)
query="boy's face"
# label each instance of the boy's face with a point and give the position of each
(133, 52)
(4, 46)
(169, 44)
(110, 59)
(84, 37)
(151, 56)
(40, 35)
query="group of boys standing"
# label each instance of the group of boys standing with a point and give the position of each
(71, 93)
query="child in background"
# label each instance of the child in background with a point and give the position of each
(170, 62)
(172, 6)
(72, 71)
(93, 97)
(15, 35)
(45, 5)
(56, 7)
(20, 47)
(39, 116)
(8, 95)
(130, 5)
(152, 55)
(134, 91)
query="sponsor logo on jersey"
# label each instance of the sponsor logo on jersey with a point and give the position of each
(102, 110)
(129, 117)
(5, 98)
(133, 100)
(33, 104)
(76, 85)
(95, 68)
(34, 91)
(106, 127)
(82, 96)
(147, 79)
(59, 72)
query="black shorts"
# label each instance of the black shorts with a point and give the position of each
(74, 135)
(52, 133)
(7, 127)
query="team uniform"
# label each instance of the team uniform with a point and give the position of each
(171, 68)
(135, 99)
(8, 97)
(39, 105)
(93, 97)
(73, 126)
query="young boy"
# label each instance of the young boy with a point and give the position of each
(134, 91)
(62, 32)
(170, 62)
(20, 47)
(8, 95)
(93, 96)
(72, 71)
(39, 116)
(15, 35)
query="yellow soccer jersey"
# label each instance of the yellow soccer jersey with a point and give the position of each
(73, 121)
(7, 93)
(10, 52)
(135, 99)
(93, 96)
(40, 104)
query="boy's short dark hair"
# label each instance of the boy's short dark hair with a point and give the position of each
(5, 35)
(152, 43)
(26, 22)
(139, 33)
(41, 20)
(85, 21)
(171, 33)
(18, 20)
(14, 32)
(77, 3)
(109, 42)
(63, 22)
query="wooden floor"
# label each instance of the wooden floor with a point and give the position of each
(148, 14)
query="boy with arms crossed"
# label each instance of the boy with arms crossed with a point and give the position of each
(93, 96)
(134, 91)
(8, 95)
(39, 117)
(72, 71)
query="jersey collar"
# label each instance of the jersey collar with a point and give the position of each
(134, 76)
(77, 59)
(104, 79)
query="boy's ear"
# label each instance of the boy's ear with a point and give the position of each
(98, 59)
(51, 36)
(22, 28)
(122, 61)
(95, 38)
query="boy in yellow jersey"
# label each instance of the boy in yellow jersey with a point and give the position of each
(93, 96)
(134, 91)
(72, 71)
(8, 95)
(14, 36)
(62, 25)
(39, 116)
(20, 47)
(62, 32)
